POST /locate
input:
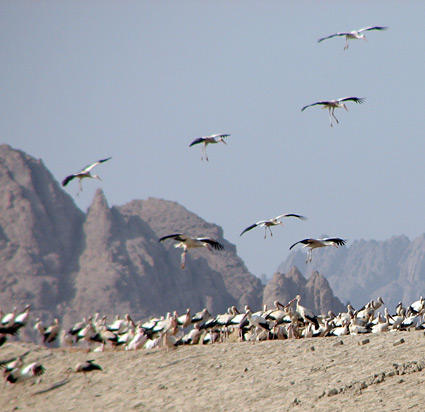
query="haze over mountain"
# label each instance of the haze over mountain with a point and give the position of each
(393, 269)
(70, 264)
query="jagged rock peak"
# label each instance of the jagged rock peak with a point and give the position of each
(99, 203)
(316, 292)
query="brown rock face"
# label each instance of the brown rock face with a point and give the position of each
(316, 293)
(124, 269)
(40, 230)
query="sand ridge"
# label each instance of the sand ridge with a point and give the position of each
(320, 374)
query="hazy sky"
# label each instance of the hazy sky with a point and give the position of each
(139, 80)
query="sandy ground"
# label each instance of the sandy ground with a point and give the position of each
(317, 374)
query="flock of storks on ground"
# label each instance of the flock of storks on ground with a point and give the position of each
(282, 322)
(289, 321)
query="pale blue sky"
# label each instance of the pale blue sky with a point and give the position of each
(139, 80)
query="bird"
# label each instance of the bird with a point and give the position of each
(272, 222)
(84, 173)
(356, 34)
(256, 320)
(187, 243)
(304, 313)
(418, 305)
(315, 243)
(206, 140)
(333, 104)
(25, 372)
(51, 332)
(85, 367)
(7, 320)
(184, 320)
(22, 318)
(10, 364)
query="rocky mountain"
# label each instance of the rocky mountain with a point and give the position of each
(40, 234)
(123, 268)
(315, 292)
(393, 269)
(70, 264)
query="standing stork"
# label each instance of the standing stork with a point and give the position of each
(333, 104)
(187, 243)
(315, 243)
(85, 367)
(7, 320)
(206, 140)
(22, 318)
(51, 332)
(85, 173)
(272, 222)
(356, 34)
(304, 313)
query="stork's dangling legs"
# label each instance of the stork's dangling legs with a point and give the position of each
(330, 117)
(309, 256)
(346, 43)
(205, 152)
(80, 187)
(333, 114)
(183, 259)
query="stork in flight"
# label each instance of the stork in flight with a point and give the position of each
(315, 243)
(85, 173)
(333, 104)
(206, 140)
(272, 222)
(187, 243)
(356, 34)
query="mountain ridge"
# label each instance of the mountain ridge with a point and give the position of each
(70, 264)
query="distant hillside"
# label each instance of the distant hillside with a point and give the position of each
(393, 269)
(71, 264)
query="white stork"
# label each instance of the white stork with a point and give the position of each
(304, 313)
(272, 222)
(356, 34)
(7, 320)
(201, 317)
(22, 319)
(187, 243)
(256, 320)
(418, 305)
(206, 140)
(333, 104)
(184, 320)
(85, 173)
(51, 332)
(85, 367)
(24, 373)
(315, 243)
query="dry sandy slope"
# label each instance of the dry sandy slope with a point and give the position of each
(293, 375)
